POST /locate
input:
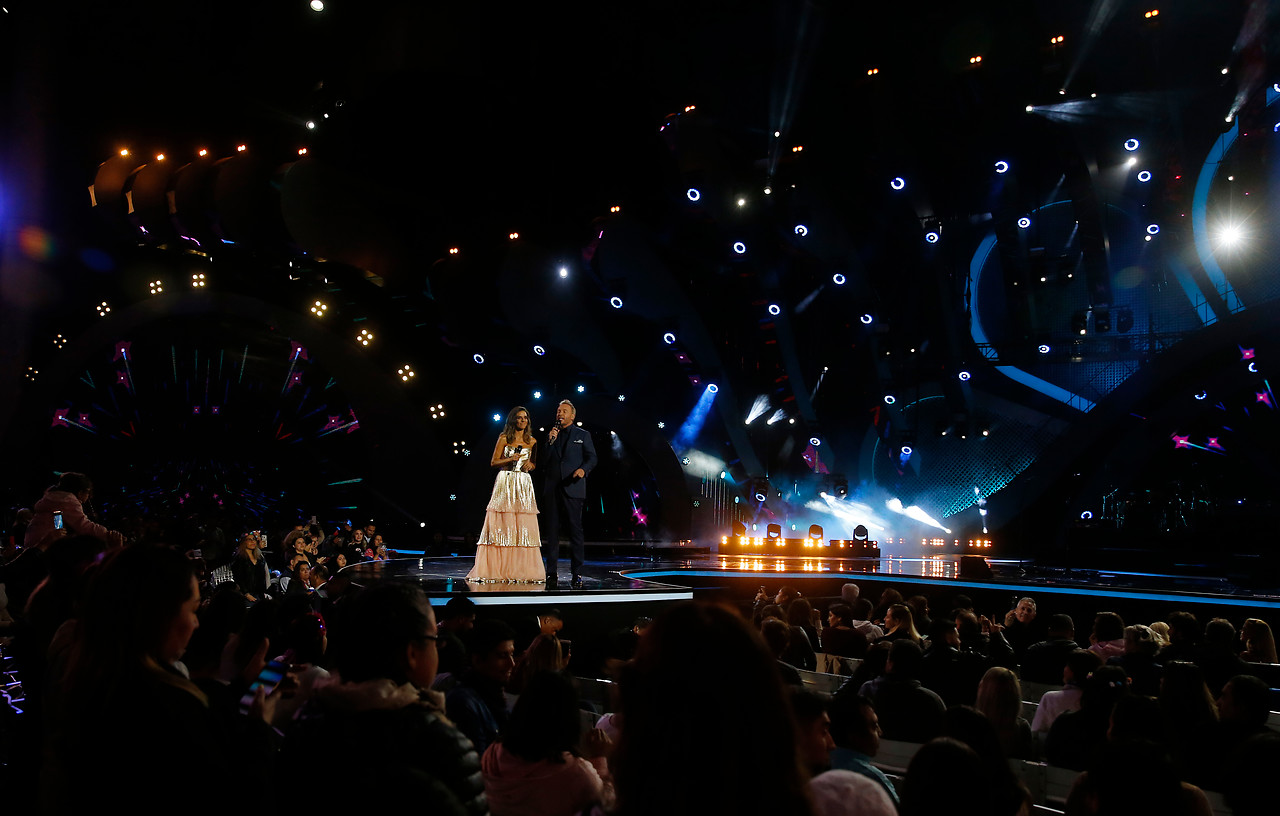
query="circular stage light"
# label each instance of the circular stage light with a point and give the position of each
(866, 319)
(890, 399)
(1131, 145)
(693, 194)
(760, 496)
(898, 183)
(739, 247)
(1044, 349)
(564, 272)
(1153, 229)
(668, 338)
(838, 279)
(932, 237)
(1002, 167)
(712, 388)
(906, 450)
(615, 302)
(1144, 176)
(1024, 222)
(1086, 515)
(539, 350)
(1202, 395)
(775, 309)
(479, 358)
(802, 230)
(815, 441)
(1253, 368)
(965, 376)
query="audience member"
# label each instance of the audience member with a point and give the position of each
(739, 736)
(1139, 661)
(1259, 644)
(947, 776)
(800, 614)
(1218, 658)
(385, 654)
(1043, 662)
(1080, 664)
(1107, 637)
(1134, 777)
(856, 731)
(899, 624)
(920, 613)
(978, 636)
(1243, 710)
(1191, 718)
(457, 618)
(1076, 735)
(1249, 782)
(1024, 628)
(1184, 638)
(777, 636)
(862, 614)
(888, 597)
(952, 673)
(476, 704)
(907, 710)
(536, 769)
(839, 637)
(813, 730)
(844, 793)
(545, 654)
(250, 569)
(969, 726)
(1000, 701)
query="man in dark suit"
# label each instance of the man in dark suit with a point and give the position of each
(568, 458)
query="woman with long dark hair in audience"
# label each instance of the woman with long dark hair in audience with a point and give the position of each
(1075, 735)
(1259, 643)
(888, 598)
(536, 769)
(707, 727)
(129, 721)
(249, 569)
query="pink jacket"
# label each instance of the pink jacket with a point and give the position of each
(518, 787)
(41, 531)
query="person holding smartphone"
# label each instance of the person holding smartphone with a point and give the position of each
(66, 500)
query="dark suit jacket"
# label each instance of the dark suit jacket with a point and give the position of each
(573, 449)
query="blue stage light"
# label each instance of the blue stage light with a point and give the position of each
(668, 338)
(479, 358)
(815, 441)
(615, 302)
(775, 309)
(1202, 395)
(1144, 176)
(539, 350)
(802, 230)
(1086, 515)
(838, 279)
(1153, 229)
(906, 450)
(965, 376)
(1131, 145)
(582, 389)
(759, 497)
(932, 237)
(1044, 349)
(1002, 167)
(739, 247)
(866, 319)
(713, 388)
(537, 395)
(1024, 222)
(890, 399)
(898, 183)
(693, 194)
(497, 417)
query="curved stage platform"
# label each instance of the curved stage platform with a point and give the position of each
(646, 581)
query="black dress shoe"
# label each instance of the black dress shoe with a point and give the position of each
(552, 579)
(577, 582)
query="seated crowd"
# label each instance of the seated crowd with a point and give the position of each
(153, 681)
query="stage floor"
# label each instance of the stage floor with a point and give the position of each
(640, 580)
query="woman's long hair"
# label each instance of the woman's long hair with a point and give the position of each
(705, 693)
(509, 430)
(904, 620)
(545, 723)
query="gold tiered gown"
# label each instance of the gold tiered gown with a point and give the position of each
(509, 549)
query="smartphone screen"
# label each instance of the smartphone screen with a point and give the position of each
(57, 520)
(270, 677)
